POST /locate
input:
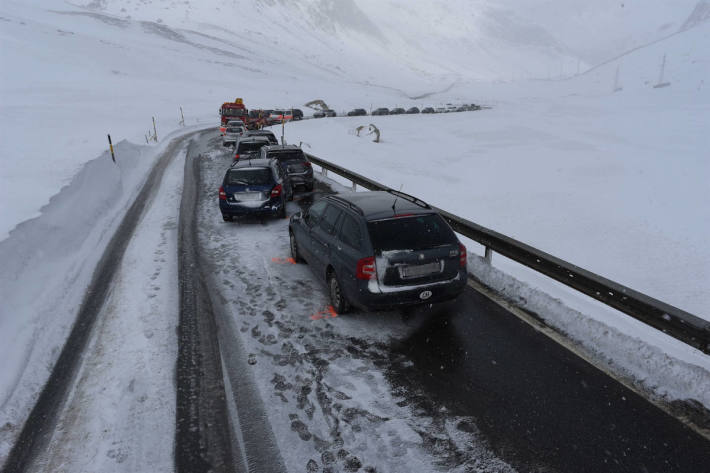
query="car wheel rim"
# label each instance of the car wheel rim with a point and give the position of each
(335, 292)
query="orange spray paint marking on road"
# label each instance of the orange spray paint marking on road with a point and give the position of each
(283, 260)
(329, 313)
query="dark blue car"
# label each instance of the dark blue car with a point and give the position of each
(254, 187)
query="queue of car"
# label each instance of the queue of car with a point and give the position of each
(412, 110)
(372, 250)
(263, 176)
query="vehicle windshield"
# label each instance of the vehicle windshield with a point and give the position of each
(410, 233)
(234, 112)
(249, 176)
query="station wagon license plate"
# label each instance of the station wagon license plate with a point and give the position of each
(248, 196)
(420, 270)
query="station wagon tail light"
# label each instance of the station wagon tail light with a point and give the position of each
(366, 268)
(222, 194)
(276, 191)
(462, 256)
(236, 156)
(307, 163)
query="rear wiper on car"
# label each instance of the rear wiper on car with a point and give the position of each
(239, 181)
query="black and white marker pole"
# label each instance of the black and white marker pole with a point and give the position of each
(110, 145)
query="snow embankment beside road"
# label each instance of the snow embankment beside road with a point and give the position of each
(120, 415)
(48, 263)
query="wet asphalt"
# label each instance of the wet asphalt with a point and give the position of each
(540, 407)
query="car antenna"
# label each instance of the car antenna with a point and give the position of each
(394, 210)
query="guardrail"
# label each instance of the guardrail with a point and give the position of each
(675, 322)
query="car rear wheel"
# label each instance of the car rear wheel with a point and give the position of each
(226, 218)
(294, 248)
(337, 298)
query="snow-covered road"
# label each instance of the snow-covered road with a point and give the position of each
(269, 378)
(120, 415)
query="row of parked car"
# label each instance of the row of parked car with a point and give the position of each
(372, 250)
(414, 110)
(263, 175)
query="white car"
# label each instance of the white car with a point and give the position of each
(232, 134)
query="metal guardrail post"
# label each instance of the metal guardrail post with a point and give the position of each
(489, 255)
(684, 326)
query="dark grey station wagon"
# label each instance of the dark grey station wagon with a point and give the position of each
(379, 250)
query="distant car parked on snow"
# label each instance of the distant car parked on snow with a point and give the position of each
(231, 134)
(397, 111)
(428, 110)
(267, 133)
(357, 112)
(379, 250)
(293, 161)
(381, 111)
(330, 113)
(412, 110)
(319, 114)
(248, 147)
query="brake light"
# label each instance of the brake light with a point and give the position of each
(276, 191)
(307, 163)
(462, 256)
(222, 194)
(236, 156)
(366, 268)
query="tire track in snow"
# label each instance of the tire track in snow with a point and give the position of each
(40, 424)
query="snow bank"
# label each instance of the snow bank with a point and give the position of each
(48, 262)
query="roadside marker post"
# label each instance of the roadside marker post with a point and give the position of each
(283, 126)
(110, 145)
(155, 131)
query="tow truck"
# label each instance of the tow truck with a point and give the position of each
(232, 111)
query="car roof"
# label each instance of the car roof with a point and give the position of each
(259, 132)
(282, 148)
(245, 163)
(376, 205)
(254, 139)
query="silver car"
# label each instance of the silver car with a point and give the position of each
(232, 134)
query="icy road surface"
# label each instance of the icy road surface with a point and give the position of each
(323, 378)
(461, 387)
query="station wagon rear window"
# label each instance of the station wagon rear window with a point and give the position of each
(410, 233)
(249, 176)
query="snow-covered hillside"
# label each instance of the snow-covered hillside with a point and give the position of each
(106, 66)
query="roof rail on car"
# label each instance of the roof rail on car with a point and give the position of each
(340, 200)
(409, 198)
